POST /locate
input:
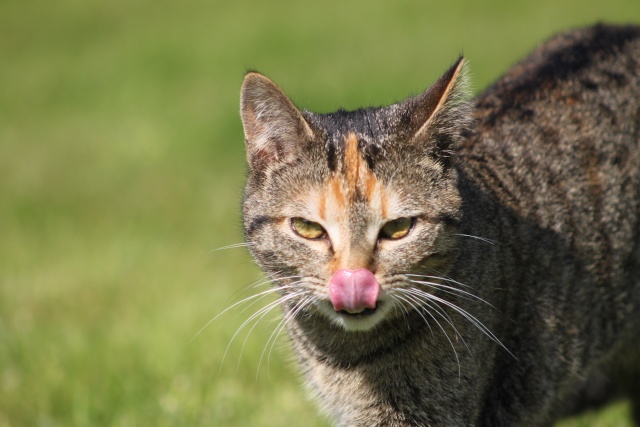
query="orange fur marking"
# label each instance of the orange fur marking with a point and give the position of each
(322, 207)
(353, 260)
(352, 181)
(351, 164)
(384, 205)
(356, 177)
(370, 185)
(335, 263)
(338, 194)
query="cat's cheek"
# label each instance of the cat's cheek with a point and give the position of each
(309, 256)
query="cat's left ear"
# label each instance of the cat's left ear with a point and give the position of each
(441, 113)
(274, 128)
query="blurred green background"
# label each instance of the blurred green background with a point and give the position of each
(121, 168)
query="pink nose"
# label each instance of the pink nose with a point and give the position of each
(353, 290)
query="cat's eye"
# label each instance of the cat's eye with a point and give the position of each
(307, 229)
(396, 229)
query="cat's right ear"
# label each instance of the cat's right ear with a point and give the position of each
(274, 129)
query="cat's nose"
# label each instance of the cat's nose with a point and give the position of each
(353, 290)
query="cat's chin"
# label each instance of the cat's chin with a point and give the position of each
(364, 321)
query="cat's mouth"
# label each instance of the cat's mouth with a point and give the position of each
(366, 312)
(361, 320)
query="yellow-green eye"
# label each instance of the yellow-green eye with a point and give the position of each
(307, 229)
(396, 229)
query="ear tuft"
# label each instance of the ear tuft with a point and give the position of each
(274, 128)
(440, 114)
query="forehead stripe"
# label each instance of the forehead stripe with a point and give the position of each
(353, 179)
(352, 160)
(322, 207)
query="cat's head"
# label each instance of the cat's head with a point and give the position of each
(345, 210)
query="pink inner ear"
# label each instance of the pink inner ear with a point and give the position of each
(353, 290)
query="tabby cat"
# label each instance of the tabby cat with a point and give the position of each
(445, 262)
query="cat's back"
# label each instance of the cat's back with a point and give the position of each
(562, 127)
(595, 68)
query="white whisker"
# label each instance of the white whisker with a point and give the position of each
(444, 289)
(274, 335)
(273, 281)
(452, 291)
(416, 308)
(252, 285)
(473, 320)
(232, 246)
(425, 300)
(405, 312)
(259, 315)
(445, 278)
(282, 288)
(419, 308)
(259, 296)
(482, 239)
(449, 280)
(399, 304)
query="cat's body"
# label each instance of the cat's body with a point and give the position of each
(546, 177)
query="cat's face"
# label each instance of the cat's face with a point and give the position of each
(348, 210)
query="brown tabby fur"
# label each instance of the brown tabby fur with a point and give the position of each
(515, 298)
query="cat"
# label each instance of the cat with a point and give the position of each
(447, 262)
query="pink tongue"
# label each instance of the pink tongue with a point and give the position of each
(353, 290)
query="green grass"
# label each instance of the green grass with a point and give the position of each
(121, 167)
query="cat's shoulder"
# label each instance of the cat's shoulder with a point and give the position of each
(574, 54)
(563, 69)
